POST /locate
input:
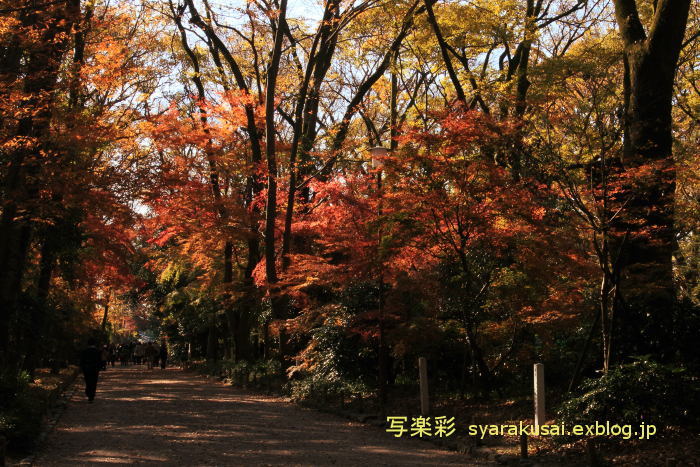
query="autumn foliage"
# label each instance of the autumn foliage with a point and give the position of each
(202, 172)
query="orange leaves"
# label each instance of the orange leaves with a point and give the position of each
(199, 189)
(460, 134)
(163, 237)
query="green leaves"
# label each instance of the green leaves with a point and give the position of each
(641, 391)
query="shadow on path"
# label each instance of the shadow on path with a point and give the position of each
(173, 417)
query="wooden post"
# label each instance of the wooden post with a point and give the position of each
(539, 394)
(523, 446)
(3, 448)
(424, 398)
(593, 458)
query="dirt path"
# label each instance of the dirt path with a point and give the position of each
(173, 417)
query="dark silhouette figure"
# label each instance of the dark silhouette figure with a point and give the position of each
(151, 355)
(112, 354)
(90, 362)
(163, 355)
(124, 354)
(104, 356)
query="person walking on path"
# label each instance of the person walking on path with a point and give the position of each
(124, 354)
(112, 354)
(163, 355)
(151, 355)
(104, 356)
(90, 361)
(138, 353)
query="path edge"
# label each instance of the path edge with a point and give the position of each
(57, 407)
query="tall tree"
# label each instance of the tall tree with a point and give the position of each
(650, 59)
(42, 40)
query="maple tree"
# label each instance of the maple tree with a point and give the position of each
(67, 224)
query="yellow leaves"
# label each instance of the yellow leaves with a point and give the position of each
(501, 223)
(171, 273)
(477, 22)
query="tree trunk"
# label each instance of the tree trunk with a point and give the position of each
(278, 305)
(461, 97)
(306, 114)
(105, 316)
(212, 340)
(478, 359)
(651, 61)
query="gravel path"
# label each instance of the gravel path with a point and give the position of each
(173, 417)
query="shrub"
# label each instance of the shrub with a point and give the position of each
(643, 391)
(23, 404)
(20, 424)
(243, 372)
(321, 389)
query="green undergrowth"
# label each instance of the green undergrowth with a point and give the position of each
(260, 374)
(640, 392)
(25, 400)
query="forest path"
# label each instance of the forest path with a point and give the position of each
(172, 417)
